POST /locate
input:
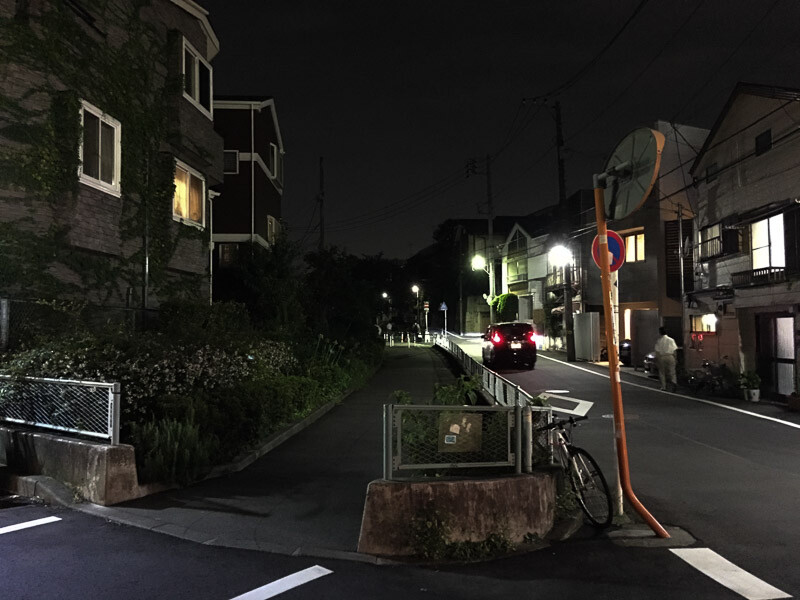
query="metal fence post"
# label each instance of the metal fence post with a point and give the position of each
(116, 395)
(387, 441)
(518, 436)
(527, 441)
(5, 321)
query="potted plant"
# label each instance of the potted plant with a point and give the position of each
(750, 381)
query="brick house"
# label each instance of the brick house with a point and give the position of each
(248, 209)
(108, 150)
(744, 308)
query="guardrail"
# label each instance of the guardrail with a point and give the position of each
(87, 408)
(502, 391)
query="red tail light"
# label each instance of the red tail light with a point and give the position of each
(532, 337)
(497, 338)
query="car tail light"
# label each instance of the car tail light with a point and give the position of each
(532, 337)
(497, 338)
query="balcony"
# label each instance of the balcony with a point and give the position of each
(709, 249)
(765, 276)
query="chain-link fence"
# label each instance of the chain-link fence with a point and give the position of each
(425, 440)
(25, 322)
(83, 407)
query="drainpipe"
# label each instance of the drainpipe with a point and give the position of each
(211, 195)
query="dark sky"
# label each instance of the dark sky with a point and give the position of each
(397, 97)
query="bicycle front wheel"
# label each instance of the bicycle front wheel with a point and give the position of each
(590, 487)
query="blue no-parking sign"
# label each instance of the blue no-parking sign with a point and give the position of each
(616, 246)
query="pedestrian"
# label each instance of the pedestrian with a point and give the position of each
(665, 359)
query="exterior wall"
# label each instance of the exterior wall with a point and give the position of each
(744, 184)
(98, 225)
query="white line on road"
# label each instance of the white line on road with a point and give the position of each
(728, 574)
(27, 524)
(285, 584)
(700, 400)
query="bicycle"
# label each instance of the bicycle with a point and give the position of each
(583, 473)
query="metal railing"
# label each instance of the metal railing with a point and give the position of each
(502, 391)
(426, 440)
(87, 408)
(710, 248)
(763, 276)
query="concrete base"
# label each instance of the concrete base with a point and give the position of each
(100, 473)
(476, 508)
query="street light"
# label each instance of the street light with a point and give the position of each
(561, 256)
(415, 289)
(479, 263)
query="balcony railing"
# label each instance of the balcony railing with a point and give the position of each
(709, 249)
(765, 276)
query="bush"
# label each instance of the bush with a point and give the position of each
(170, 451)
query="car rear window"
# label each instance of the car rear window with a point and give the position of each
(515, 329)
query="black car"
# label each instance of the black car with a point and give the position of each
(509, 343)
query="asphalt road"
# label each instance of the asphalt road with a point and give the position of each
(75, 556)
(731, 478)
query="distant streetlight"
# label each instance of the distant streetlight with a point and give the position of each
(479, 263)
(561, 256)
(415, 289)
(384, 295)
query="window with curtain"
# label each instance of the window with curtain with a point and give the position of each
(634, 247)
(189, 200)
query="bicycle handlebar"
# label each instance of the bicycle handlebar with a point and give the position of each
(559, 424)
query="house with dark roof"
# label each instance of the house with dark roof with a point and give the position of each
(247, 211)
(744, 307)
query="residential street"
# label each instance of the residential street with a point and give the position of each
(729, 477)
(705, 469)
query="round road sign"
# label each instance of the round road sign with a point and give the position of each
(616, 250)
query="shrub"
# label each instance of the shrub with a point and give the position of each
(171, 451)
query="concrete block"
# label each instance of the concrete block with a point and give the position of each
(101, 473)
(513, 506)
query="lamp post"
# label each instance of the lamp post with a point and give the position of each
(415, 289)
(561, 256)
(479, 264)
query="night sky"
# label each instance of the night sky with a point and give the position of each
(397, 97)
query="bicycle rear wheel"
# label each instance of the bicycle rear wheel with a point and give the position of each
(590, 487)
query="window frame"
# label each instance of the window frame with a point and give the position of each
(114, 188)
(208, 112)
(772, 245)
(635, 235)
(236, 153)
(198, 175)
(703, 239)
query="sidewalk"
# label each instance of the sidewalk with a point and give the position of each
(307, 495)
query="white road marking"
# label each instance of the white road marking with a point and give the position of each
(728, 574)
(285, 584)
(700, 400)
(27, 524)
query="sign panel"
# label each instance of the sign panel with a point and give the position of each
(443, 306)
(460, 432)
(616, 250)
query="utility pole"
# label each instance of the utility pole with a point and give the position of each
(321, 200)
(562, 201)
(680, 249)
(490, 236)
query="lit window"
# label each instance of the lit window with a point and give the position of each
(634, 247)
(228, 254)
(197, 79)
(189, 201)
(100, 150)
(709, 242)
(767, 243)
(704, 323)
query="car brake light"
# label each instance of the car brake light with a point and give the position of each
(497, 338)
(532, 337)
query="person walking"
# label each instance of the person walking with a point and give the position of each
(665, 359)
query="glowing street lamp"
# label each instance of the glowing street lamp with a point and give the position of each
(479, 263)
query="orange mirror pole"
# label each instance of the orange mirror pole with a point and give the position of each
(613, 369)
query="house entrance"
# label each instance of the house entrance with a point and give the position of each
(775, 351)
